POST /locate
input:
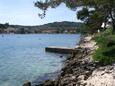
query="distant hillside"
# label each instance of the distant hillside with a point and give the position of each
(56, 27)
(63, 24)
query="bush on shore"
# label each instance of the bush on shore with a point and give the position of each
(105, 54)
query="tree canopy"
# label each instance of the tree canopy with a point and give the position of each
(3, 26)
(93, 12)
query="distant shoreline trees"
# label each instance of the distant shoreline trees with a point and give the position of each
(55, 27)
(3, 27)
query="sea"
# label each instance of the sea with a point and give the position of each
(23, 57)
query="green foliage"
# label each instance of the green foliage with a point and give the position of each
(93, 19)
(83, 14)
(102, 11)
(87, 29)
(3, 27)
(55, 27)
(84, 29)
(103, 37)
(64, 24)
(105, 54)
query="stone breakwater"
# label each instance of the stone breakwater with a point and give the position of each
(81, 70)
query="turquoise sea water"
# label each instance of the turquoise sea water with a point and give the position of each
(22, 57)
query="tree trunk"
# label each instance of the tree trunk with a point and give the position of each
(113, 26)
(113, 21)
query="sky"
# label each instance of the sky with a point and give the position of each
(23, 12)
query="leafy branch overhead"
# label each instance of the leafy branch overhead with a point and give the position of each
(44, 5)
(93, 12)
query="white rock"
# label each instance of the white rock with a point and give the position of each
(102, 77)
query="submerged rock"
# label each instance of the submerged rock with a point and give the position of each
(47, 83)
(61, 56)
(27, 83)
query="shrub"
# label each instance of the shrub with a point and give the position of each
(105, 54)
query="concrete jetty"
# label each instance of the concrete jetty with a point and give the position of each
(65, 50)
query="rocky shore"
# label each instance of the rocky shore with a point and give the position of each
(81, 70)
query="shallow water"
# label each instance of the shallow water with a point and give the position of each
(22, 57)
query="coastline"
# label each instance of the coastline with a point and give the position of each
(77, 67)
(81, 70)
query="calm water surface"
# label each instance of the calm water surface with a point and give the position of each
(22, 57)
